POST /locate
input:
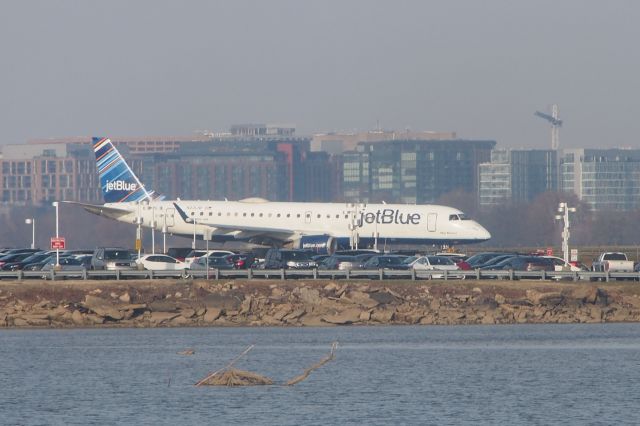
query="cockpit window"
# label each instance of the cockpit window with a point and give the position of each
(460, 216)
(463, 216)
(453, 217)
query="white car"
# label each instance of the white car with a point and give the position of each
(436, 263)
(559, 265)
(161, 262)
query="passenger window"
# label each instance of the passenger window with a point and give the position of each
(260, 215)
(278, 214)
(244, 214)
(319, 216)
(252, 214)
(298, 215)
(288, 214)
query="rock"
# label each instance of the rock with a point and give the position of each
(245, 306)
(360, 298)
(282, 311)
(211, 315)
(294, 315)
(113, 295)
(312, 321)
(77, 318)
(125, 298)
(383, 316)
(477, 290)
(500, 299)
(102, 307)
(310, 296)
(187, 312)
(36, 320)
(365, 316)
(348, 316)
(179, 320)
(549, 298)
(385, 297)
(226, 302)
(162, 317)
(162, 306)
(332, 286)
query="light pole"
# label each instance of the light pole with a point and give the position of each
(193, 244)
(564, 209)
(32, 222)
(139, 221)
(153, 230)
(56, 204)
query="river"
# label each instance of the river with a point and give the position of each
(521, 374)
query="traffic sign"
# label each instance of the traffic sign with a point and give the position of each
(57, 243)
(574, 255)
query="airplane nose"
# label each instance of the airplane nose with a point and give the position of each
(481, 233)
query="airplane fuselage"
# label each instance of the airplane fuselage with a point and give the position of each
(219, 220)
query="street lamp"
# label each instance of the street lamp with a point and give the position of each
(564, 209)
(32, 222)
(56, 204)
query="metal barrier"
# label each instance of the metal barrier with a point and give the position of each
(323, 274)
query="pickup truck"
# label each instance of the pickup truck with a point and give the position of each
(612, 262)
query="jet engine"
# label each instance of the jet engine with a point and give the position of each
(321, 244)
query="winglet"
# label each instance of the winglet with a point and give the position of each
(183, 214)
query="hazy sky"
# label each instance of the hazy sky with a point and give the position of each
(480, 68)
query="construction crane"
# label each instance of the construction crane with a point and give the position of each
(556, 123)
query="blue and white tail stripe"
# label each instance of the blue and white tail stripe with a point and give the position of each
(117, 180)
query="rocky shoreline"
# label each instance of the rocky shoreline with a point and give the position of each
(181, 303)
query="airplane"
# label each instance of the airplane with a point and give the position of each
(322, 227)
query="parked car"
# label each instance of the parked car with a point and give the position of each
(14, 257)
(240, 260)
(179, 253)
(523, 263)
(67, 264)
(612, 262)
(112, 259)
(560, 265)
(495, 261)
(436, 263)
(197, 254)
(288, 259)
(161, 262)
(479, 259)
(386, 261)
(340, 263)
(213, 263)
(19, 265)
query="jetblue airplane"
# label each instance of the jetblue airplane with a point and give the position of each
(322, 227)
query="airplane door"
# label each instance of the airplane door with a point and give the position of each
(307, 217)
(431, 222)
(170, 213)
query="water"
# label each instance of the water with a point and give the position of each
(524, 374)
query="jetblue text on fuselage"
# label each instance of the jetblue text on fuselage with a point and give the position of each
(388, 216)
(120, 185)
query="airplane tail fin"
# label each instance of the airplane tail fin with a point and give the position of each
(117, 180)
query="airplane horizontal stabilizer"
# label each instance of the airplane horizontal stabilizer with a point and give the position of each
(100, 210)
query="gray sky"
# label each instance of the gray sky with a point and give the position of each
(480, 68)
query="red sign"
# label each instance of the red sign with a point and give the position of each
(549, 251)
(57, 243)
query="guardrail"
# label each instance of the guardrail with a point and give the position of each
(283, 274)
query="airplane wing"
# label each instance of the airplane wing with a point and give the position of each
(101, 210)
(244, 231)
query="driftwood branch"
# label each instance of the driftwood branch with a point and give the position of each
(308, 371)
(233, 361)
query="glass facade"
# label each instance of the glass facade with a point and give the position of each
(412, 171)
